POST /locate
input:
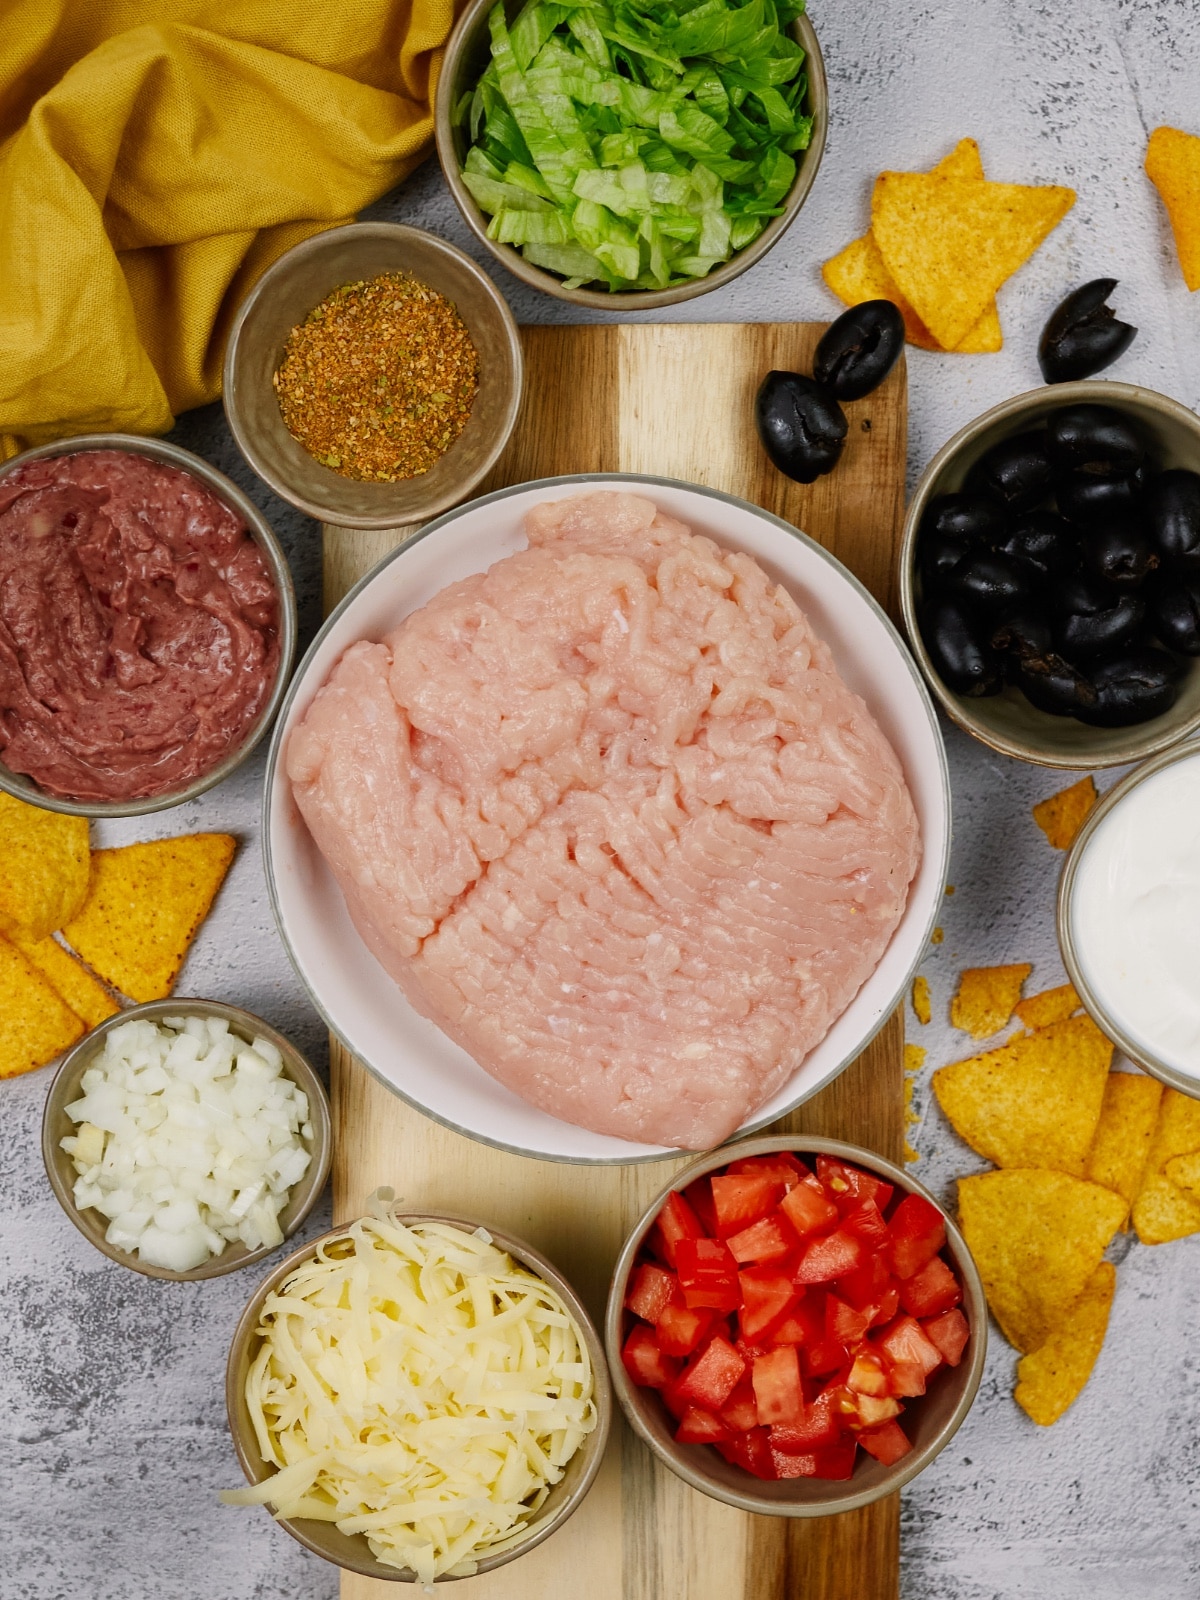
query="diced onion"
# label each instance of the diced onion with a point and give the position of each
(415, 1385)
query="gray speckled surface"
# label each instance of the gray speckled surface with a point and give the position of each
(110, 1385)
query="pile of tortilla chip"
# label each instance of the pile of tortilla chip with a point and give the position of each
(941, 244)
(1173, 167)
(1079, 1150)
(124, 920)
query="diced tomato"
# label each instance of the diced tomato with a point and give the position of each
(930, 1291)
(711, 1377)
(675, 1221)
(680, 1329)
(916, 1233)
(798, 1327)
(741, 1199)
(874, 1409)
(777, 1390)
(645, 1362)
(767, 1296)
(651, 1288)
(843, 1324)
(740, 1411)
(708, 1274)
(867, 1375)
(837, 1460)
(750, 1451)
(809, 1209)
(770, 1239)
(888, 1307)
(675, 1403)
(830, 1257)
(823, 1357)
(698, 1195)
(782, 1166)
(903, 1342)
(887, 1443)
(850, 1185)
(948, 1334)
(866, 1221)
(700, 1427)
(820, 1424)
(906, 1380)
(866, 1285)
(788, 1465)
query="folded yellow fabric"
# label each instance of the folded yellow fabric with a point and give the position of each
(155, 157)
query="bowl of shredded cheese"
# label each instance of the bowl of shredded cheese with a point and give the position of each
(417, 1398)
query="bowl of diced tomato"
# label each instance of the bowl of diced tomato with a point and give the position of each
(795, 1326)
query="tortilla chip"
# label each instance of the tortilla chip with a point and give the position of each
(144, 905)
(914, 1057)
(951, 242)
(986, 997)
(1051, 1005)
(1184, 1172)
(1060, 816)
(921, 1003)
(1161, 1210)
(1053, 1376)
(1037, 1237)
(86, 996)
(1173, 167)
(1033, 1102)
(36, 1025)
(43, 868)
(1128, 1117)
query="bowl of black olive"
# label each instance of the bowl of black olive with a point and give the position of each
(1050, 575)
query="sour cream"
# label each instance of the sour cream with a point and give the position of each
(1135, 915)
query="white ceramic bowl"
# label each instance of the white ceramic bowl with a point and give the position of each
(351, 990)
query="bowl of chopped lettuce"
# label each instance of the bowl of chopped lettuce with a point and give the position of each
(631, 153)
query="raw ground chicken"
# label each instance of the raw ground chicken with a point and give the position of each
(609, 816)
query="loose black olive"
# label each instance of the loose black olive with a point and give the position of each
(1025, 633)
(1087, 500)
(1083, 335)
(857, 352)
(1133, 688)
(966, 516)
(1172, 515)
(1043, 541)
(1054, 685)
(1090, 619)
(939, 554)
(1016, 472)
(990, 584)
(801, 425)
(1175, 613)
(1119, 555)
(1093, 439)
(961, 658)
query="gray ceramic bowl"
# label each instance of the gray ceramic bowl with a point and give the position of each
(351, 1552)
(930, 1422)
(23, 788)
(1007, 722)
(56, 1125)
(284, 296)
(467, 54)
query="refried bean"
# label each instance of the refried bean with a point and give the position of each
(138, 626)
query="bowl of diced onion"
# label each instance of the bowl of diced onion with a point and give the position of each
(186, 1138)
(464, 1402)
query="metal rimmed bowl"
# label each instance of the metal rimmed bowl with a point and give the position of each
(1108, 1016)
(284, 296)
(467, 54)
(351, 1551)
(930, 1421)
(56, 1125)
(1007, 722)
(24, 788)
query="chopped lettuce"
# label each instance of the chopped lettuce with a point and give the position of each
(636, 143)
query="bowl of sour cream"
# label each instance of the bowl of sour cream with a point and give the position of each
(1129, 916)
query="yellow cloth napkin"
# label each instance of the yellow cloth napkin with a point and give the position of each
(155, 157)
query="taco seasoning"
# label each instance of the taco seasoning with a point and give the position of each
(378, 380)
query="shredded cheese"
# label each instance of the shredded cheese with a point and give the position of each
(416, 1386)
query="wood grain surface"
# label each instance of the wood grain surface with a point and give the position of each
(671, 401)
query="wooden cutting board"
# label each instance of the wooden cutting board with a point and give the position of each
(672, 401)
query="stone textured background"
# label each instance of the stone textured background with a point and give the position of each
(113, 1434)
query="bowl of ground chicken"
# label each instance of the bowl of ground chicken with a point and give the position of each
(373, 376)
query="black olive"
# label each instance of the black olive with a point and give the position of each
(1093, 439)
(1119, 555)
(857, 352)
(1090, 619)
(1054, 685)
(1172, 514)
(1085, 499)
(963, 661)
(1175, 613)
(801, 425)
(1024, 633)
(1043, 541)
(1016, 472)
(939, 554)
(1133, 688)
(1083, 335)
(990, 584)
(966, 516)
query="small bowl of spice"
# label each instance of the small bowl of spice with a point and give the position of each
(373, 376)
